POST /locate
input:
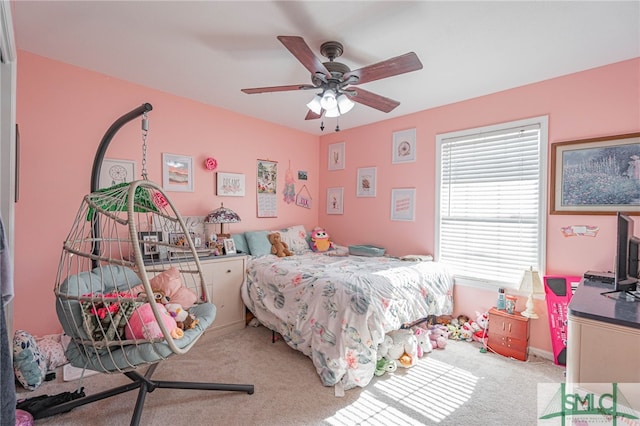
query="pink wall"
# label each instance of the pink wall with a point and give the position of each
(63, 113)
(598, 102)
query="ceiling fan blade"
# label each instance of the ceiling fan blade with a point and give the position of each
(300, 49)
(373, 100)
(394, 66)
(312, 115)
(278, 88)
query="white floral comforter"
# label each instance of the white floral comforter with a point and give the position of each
(336, 310)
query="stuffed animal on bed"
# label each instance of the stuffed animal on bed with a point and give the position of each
(320, 240)
(278, 247)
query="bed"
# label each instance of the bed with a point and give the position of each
(336, 309)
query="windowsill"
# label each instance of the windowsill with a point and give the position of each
(493, 287)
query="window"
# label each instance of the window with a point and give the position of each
(492, 202)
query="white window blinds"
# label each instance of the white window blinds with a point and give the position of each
(492, 199)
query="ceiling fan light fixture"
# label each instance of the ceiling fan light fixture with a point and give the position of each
(328, 100)
(344, 104)
(333, 112)
(314, 105)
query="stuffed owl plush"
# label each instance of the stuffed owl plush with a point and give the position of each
(320, 240)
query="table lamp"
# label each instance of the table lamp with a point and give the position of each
(222, 215)
(531, 284)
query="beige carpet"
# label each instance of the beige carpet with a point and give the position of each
(455, 386)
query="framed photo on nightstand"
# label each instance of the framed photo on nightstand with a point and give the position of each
(148, 244)
(229, 246)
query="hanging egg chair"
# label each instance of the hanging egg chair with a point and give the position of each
(121, 298)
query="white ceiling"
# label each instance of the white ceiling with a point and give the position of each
(209, 50)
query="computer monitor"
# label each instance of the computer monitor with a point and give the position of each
(624, 241)
(634, 258)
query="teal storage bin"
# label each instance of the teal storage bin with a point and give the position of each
(366, 250)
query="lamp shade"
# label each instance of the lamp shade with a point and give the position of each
(328, 100)
(222, 215)
(333, 112)
(314, 105)
(531, 282)
(344, 104)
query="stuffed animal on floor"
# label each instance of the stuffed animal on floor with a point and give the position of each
(482, 334)
(385, 365)
(278, 247)
(439, 335)
(444, 319)
(461, 319)
(320, 240)
(424, 341)
(383, 347)
(466, 332)
(404, 349)
(454, 331)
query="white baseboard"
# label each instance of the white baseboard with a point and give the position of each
(540, 353)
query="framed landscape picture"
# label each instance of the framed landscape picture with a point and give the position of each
(177, 172)
(596, 176)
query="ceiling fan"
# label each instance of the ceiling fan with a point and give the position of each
(334, 79)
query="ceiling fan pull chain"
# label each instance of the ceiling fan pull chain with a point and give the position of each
(322, 125)
(337, 124)
(145, 131)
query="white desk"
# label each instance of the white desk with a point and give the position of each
(603, 337)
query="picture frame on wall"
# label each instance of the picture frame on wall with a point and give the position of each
(334, 200)
(266, 189)
(114, 171)
(403, 202)
(366, 182)
(404, 146)
(177, 172)
(596, 176)
(336, 156)
(230, 184)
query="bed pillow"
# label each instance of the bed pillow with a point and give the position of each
(258, 243)
(241, 243)
(296, 238)
(170, 283)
